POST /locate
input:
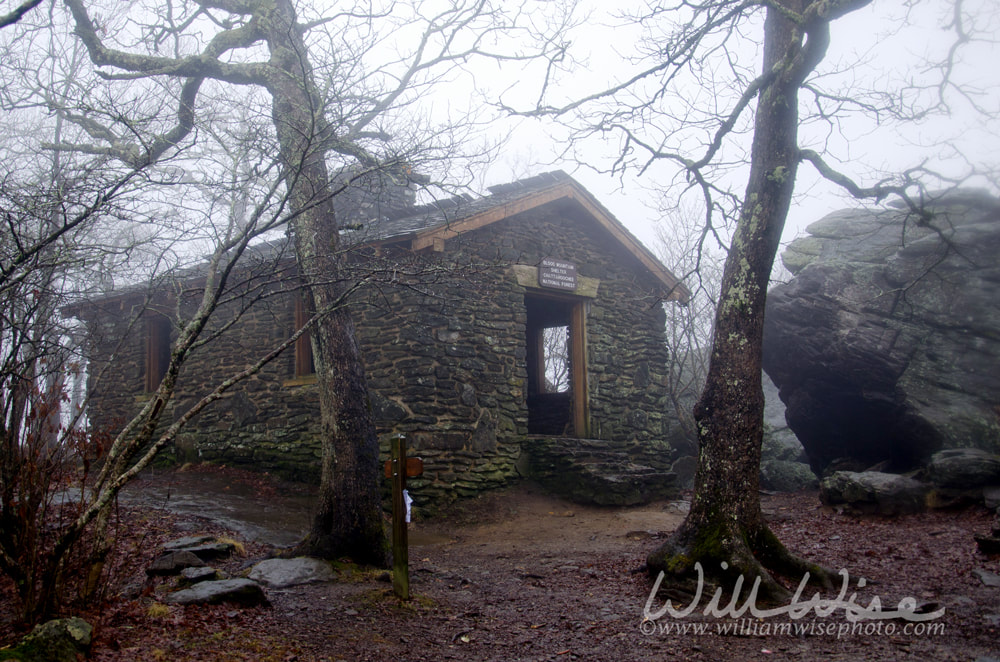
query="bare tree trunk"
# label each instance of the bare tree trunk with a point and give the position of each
(349, 518)
(725, 530)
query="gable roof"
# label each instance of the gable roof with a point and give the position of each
(421, 227)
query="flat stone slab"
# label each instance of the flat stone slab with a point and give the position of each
(204, 546)
(988, 578)
(187, 542)
(991, 497)
(240, 591)
(202, 574)
(212, 550)
(172, 563)
(279, 573)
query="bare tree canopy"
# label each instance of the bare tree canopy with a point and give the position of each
(228, 122)
(726, 100)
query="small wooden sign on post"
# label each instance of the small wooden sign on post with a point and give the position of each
(398, 467)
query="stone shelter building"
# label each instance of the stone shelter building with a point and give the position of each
(522, 335)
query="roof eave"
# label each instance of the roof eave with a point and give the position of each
(675, 290)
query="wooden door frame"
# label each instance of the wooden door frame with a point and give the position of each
(577, 350)
(579, 384)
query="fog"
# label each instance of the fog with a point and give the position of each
(885, 47)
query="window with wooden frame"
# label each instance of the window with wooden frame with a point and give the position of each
(157, 351)
(304, 364)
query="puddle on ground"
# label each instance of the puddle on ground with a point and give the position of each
(280, 519)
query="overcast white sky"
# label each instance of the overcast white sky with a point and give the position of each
(891, 54)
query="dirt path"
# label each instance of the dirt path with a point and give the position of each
(519, 575)
(528, 519)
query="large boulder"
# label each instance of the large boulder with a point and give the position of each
(884, 345)
(874, 492)
(61, 640)
(783, 460)
(964, 469)
(786, 476)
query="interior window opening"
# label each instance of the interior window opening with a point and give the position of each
(555, 350)
(305, 364)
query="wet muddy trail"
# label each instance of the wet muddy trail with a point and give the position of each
(520, 575)
(254, 506)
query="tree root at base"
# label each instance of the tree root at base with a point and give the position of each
(332, 547)
(725, 554)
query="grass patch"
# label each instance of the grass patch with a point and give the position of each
(239, 548)
(157, 610)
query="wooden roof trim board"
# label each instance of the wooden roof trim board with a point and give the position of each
(568, 190)
(425, 238)
(677, 291)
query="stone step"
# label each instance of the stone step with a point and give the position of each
(594, 472)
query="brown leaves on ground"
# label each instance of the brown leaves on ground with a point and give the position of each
(510, 577)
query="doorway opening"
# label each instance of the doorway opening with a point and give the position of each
(556, 362)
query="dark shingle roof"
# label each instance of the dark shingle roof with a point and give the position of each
(406, 222)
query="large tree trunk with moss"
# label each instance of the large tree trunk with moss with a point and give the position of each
(725, 530)
(348, 520)
(349, 517)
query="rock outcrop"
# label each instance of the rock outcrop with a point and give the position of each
(885, 344)
(786, 476)
(783, 466)
(282, 573)
(236, 591)
(61, 640)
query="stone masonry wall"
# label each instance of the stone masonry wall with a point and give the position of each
(446, 367)
(268, 423)
(446, 363)
(626, 348)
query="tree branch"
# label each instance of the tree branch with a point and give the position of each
(205, 65)
(18, 14)
(878, 192)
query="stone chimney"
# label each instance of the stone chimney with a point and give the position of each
(367, 196)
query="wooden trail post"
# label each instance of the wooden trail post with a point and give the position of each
(398, 467)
